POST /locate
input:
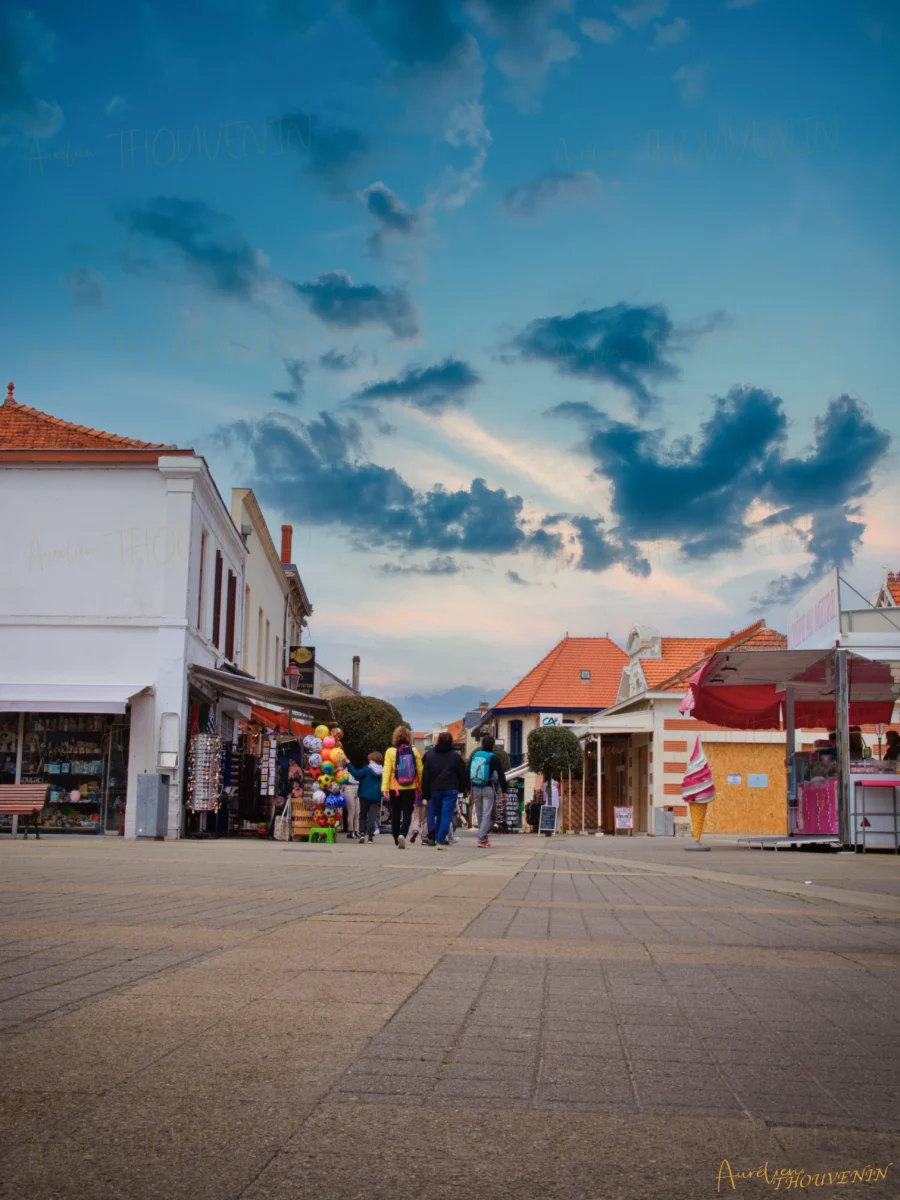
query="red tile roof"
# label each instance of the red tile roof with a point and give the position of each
(893, 583)
(456, 729)
(555, 684)
(24, 428)
(754, 637)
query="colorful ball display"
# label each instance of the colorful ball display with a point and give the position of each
(318, 796)
(321, 731)
(328, 742)
(337, 734)
(327, 768)
(308, 741)
(342, 777)
(315, 760)
(324, 781)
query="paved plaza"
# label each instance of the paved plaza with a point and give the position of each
(575, 1017)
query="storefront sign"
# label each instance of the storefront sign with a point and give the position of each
(304, 659)
(758, 781)
(548, 818)
(550, 719)
(814, 623)
(734, 779)
(624, 818)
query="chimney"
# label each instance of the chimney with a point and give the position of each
(287, 535)
(356, 672)
(10, 399)
(483, 706)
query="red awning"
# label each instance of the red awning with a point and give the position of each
(279, 721)
(746, 690)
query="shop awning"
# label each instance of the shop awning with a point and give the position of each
(68, 697)
(746, 689)
(251, 691)
(279, 720)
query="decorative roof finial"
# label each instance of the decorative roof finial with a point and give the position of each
(10, 398)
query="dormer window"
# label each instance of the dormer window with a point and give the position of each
(585, 677)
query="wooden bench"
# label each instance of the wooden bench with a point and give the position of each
(20, 800)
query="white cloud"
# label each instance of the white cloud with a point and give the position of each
(114, 105)
(641, 11)
(465, 127)
(669, 35)
(692, 81)
(599, 31)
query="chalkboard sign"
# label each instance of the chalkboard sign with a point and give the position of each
(624, 818)
(548, 819)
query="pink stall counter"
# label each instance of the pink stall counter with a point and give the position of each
(817, 809)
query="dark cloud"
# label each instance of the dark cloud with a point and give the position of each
(626, 345)
(86, 287)
(332, 152)
(297, 371)
(26, 48)
(336, 360)
(530, 41)
(207, 242)
(393, 218)
(430, 389)
(528, 200)
(318, 468)
(698, 491)
(337, 301)
(444, 564)
(515, 577)
(416, 34)
(600, 550)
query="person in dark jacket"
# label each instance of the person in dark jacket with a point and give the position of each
(444, 776)
(369, 794)
(488, 784)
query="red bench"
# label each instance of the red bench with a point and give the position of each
(22, 800)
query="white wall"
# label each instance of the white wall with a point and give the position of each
(268, 590)
(100, 585)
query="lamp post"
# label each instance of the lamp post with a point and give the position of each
(292, 677)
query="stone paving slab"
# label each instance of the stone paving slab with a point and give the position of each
(552, 1022)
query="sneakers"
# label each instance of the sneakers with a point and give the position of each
(370, 840)
(429, 841)
(441, 845)
(401, 842)
(413, 836)
(362, 838)
(485, 845)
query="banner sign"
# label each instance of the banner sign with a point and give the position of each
(814, 623)
(304, 658)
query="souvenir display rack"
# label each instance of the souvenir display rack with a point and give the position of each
(9, 739)
(204, 772)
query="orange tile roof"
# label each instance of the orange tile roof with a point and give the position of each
(754, 637)
(24, 428)
(893, 582)
(677, 653)
(555, 683)
(455, 728)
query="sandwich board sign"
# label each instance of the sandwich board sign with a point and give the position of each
(624, 819)
(548, 819)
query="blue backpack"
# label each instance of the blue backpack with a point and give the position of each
(406, 770)
(480, 768)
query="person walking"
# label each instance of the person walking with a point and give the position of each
(369, 794)
(444, 776)
(488, 783)
(401, 782)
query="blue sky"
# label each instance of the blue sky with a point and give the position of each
(533, 316)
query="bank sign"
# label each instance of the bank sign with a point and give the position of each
(814, 623)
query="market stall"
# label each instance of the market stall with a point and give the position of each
(833, 792)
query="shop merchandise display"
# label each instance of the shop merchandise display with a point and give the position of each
(327, 766)
(67, 751)
(204, 772)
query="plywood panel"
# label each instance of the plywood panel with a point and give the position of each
(739, 808)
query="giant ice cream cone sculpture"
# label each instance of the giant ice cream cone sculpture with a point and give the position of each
(698, 789)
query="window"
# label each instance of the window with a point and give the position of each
(217, 601)
(515, 743)
(245, 655)
(259, 646)
(279, 668)
(230, 614)
(202, 580)
(265, 674)
(585, 677)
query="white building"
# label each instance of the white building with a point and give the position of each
(122, 604)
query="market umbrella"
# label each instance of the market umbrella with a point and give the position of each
(698, 790)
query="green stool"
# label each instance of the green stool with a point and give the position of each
(322, 831)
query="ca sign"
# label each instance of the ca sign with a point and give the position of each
(550, 719)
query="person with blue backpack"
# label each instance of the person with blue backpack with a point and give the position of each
(401, 782)
(488, 783)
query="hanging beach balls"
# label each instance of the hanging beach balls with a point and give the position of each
(337, 734)
(321, 731)
(315, 760)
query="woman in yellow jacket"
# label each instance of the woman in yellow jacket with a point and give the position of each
(401, 782)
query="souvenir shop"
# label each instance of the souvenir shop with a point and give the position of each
(83, 759)
(239, 769)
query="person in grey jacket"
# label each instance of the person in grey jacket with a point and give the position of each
(488, 784)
